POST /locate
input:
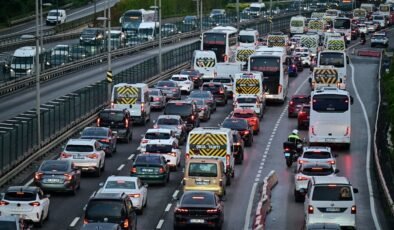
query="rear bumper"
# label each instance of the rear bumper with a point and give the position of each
(329, 139)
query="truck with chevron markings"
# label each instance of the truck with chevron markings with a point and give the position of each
(325, 76)
(212, 142)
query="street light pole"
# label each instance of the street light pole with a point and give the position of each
(109, 72)
(37, 67)
(201, 14)
(41, 22)
(160, 51)
(237, 14)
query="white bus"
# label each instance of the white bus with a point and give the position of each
(298, 25)
(330, 116)
(338, 59)
(342, 25)
(359, 13)
(132, 19)
(331, 14)
(385, 9)
(222, 41)
(274, 68)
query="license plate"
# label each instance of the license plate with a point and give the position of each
(330, 139)
(287, 154)
(332, 209)
(78, 156)
(147, 170)
(197, 221)
(202, 182)
(52, 180)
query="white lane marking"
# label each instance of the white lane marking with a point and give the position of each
(259, 171)
(175, 195)
(121, 167)
(29, 182)
(130, 157)
(168, 207)
(368, 160)
(84, 207)
(250, 204)
(94, 192)
(74, 222)
(160, 224)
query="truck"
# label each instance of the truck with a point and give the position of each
(23, 62)
(298, 25)
(325, 76)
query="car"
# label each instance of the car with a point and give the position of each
(204, 111)
(355, 33)
(323, 226)
(295, 104)
(249, 101)
(305, 171)
(157, 99)
(249, 115)
(218, 90)
(190, 23)
(303, 117)
(174, 123)
(57, 58)
(167, 148)
(58, 176)
(206, 95)
(170, 89)
(296, 59)
(118, 39)
(227, 83)
(151, 169)
(292, 70)
(184, 82)
(79, 52)
(239, 147)
(115, 208)
(199, 208)
(317, 154)
(195, 76)
(305, 55)
(330, 199)
(157, 134)
(187, 109)
(371, 27)
(242, 126)
(92, 36)
(27, 202)
(362, 28)
(104, 135)
(87, 155)
(377, 25)
(217, 12)
(169, 29)
(379, 39)
(119, 121)
(96, 226)
(56, 16)
(11, 223)
(132, 186)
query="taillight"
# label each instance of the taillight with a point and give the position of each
(85, 221)
(155, 126)
(156, 99)
(213, 211)
(302, 161)
(65, 155)
(133, 170)
(38, 175)
(347, 133)
(104, 140)
(98, 122)
(93, 156)
(331, 162)
(68, 176)
(192, 117)
(162, 170)
(294, 66)
(144, 141)
(237, 143)
(137, 195)
(228, 161)
(279, 88)
(173, 90)
(112, 105)
(187, 156)
(302, 178)
(221, 182)
(246, 132)
(127, 121)
(34, 204)
(291, 103)
(181, 210)
(310, 209)
(354, 209)
(287, 149)
(3, 203)
(221, 91)
(142, 107)
(126, 223)
(173, 154)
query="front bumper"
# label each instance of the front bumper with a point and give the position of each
(87, 166)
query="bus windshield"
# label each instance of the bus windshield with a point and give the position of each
(297, 23)
(384, 8)
(329, 103)
(335, 59)
(217, 43)
(342, 24)
(270, 66)
(134, 16)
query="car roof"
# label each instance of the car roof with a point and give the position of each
(125, 178)
(212, 83)
(323, 180)
(81, 142)
(246, 96)
(299, 96)
(32, 189)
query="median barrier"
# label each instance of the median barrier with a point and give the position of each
(369, 53)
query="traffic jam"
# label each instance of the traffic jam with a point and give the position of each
(247, 71)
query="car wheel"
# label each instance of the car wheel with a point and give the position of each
(47, 217)
(228, 180)
(40, 223)
(249, 143)
(168, 178)
(103, 168)
(98, 172)
(74, 191)
(146, 202)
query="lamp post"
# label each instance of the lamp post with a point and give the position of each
(37, 67)
(237, 8)
(160, 51)
(201, 14)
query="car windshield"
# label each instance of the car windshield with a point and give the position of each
(332, 193)
(197, 199)
(166, 84)
(54, 13)
(112, 116)
(199, 94)
(247, 100)
(79, 148)
(147, 159)
(168, 121)
(20, 196)
(246, 38)
(89, 32)
(317, 154)
(103, 209)
(203, 169)
(156, 136)
(153, 93)
(120, 184)
(59, 166)
(95, 132)
(243, 115)
(152, 148)
(182, 109)
(236, 124)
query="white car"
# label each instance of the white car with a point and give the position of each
(371, 27)
(132, 186)
(168, 148)
(362, 28)
(88, 155)
(305, 55)
(305, 172)
(174, 123)
(250, 102)
(227, 83)
(317, 154)
(184, 82)
(330, 200)
(27, 202)
(156, 134)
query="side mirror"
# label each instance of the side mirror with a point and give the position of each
(336, 171)
(167, 161)
(47, 196)
(347, 60)
(101, 184)
(355, 190)
(154, 121)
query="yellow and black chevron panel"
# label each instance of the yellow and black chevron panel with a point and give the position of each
(208, 144)
(277, 40)
(126, 101)
(326, 76)
(127, 95)
(247, 86)
(316, 25)
(309, 42)
(336, 45)
(243, 55)
(205, 62)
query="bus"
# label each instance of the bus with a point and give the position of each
(385, 9)
(132, 19)
(331, 14)
(338, 59)
(342, 25)
(223, 41)
(330, 117)
(359, 13)
(271, 61)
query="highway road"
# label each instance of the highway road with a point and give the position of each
(72, 15)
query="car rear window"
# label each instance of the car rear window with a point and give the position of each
(199, 94)
(112, 116)
(203, 169)
(153, 93)
(60, 166)
(79, 148)
(103, 208)
(300, 100)
(120, 184)
(197, 199)
(317, 171)
(155, 136)
(237, 124)
(166, 83)
(243, 115)
(182, 109)
(222, 80)
(168, 121)
(151, 148)
(147, 159)
(20, 196)
(246, 100)
(211, 87)
(317, 154)
(332, 193)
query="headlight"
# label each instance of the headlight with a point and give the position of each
(28, 71)
(93, 38)
(48, 63)
(81, 38)
(12, 70)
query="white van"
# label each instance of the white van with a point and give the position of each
(133, 97)
(56, 16)
(381, 19)
(257, 9)
(23, 62)
(248, 38)
(298, 25)
(205, 61)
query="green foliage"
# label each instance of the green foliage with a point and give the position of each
(388, 89)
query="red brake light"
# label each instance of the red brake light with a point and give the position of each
(228, 161)
(112, 105)
(162, 170)
(302, 178)
(331, 162)
(192, 117)
(213, 211)
(93, 156)
(68, 176)
(34, 204)
(134, 195)
(287, 149)
(156, 99)
(38, 175)
(291, 102)
(354, 209)
(279, 88)
(3, 203)
(144, 141)
(142, 107)
(221, 91)
(126, 223)
(65, 155)
(187, 155)
(98, 122)
(155, 126)
(133, 170)
(85, 221)
(237, 143)
(310, 209)
(127, 120)
(181, 210)
(302, 161)
(105, 140)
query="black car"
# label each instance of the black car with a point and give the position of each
(195, 76)
(200, 209)
(92, 36)
(104, 135)
(206, 95)
(296, 60)
(58, 176)
(170, 89)
(242, 126)
(78, 52)
(101, 226)
(238, 146)
(218, 90)
(188, 111)
(118, 120)
(114, 208)
(189, 23)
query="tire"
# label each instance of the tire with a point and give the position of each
(47, 217)
(40, 223)
(146, 203)
(257, 132)
(98, 172)
(346, 146)
(289, 162)
(249, 143)
(103, 168)
(168, 178)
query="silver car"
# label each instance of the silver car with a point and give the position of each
(170, 89)
(157, 99)
(204, 110)
(379, 39)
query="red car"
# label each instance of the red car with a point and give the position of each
(249, 115)
(295, 104)
(303, 117)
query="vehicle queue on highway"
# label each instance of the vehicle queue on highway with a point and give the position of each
(254, 73)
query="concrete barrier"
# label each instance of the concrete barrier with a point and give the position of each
(369, 53)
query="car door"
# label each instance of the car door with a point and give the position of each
(143, 190)
(44, 200)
